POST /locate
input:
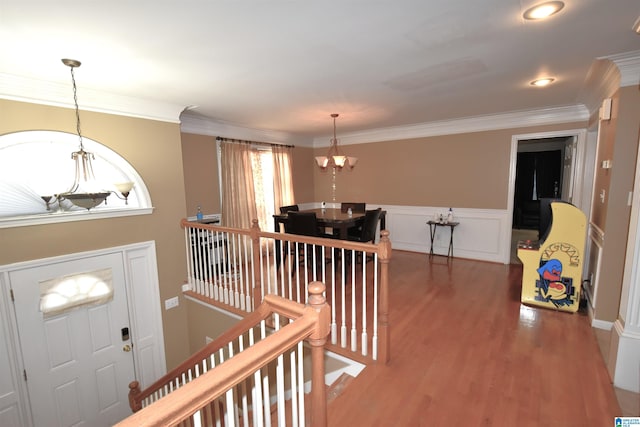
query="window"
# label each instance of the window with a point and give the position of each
(38, 163)
(64, 293)
(263, 180)
(255, 179)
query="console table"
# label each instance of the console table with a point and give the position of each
(433, 225)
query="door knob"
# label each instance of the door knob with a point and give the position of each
(126, 348)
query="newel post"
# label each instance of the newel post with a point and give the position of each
(317, 341)
(255, 239)
(134, 392)
(384, 256)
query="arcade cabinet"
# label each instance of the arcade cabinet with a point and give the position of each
(552, 266)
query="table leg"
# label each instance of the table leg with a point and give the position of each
(432, 233)
(450, 251)
(276, 229)
(343, 232)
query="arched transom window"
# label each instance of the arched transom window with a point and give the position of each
(35, 166)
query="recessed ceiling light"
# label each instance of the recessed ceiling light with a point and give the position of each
(542, 82)
(543, 10)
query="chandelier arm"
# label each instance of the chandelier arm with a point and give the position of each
(76, 181)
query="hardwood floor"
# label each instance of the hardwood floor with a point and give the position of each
(464, 351)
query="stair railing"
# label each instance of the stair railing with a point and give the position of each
(238, 390)
(237, 268)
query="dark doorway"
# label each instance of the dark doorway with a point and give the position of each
(538, 176)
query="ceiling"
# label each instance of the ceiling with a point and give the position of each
(285, 66)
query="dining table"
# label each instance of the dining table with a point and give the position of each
(332, 218)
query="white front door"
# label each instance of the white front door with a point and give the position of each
(78, 363)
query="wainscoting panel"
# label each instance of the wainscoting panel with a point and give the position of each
(481, 234)
(595, 242)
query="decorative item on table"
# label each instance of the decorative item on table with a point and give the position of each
(324, 206)
(349, 212)
(450, 215)
(199, 215)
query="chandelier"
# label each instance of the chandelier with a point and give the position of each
(86, 192)
(334, 159)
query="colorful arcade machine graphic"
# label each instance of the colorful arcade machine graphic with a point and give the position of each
(552, 267)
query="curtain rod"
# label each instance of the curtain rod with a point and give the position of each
(242, 141)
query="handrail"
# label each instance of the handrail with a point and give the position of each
(137, 396)
(239, 293)
(321, 241)
(311, 322)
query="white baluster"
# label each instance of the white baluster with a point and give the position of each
(354, 332)
(294, 387)
(365, 345)
(301, 390)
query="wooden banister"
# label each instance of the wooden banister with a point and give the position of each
(384, 350)
(310, 321)
(251, 319)
(239, 273)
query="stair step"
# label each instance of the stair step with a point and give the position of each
(338, 386)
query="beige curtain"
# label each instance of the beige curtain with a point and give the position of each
(238, 197)
(283, 182)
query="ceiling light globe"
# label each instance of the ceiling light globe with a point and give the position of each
(339, 160)
(542, 82)
(322, 161)
(543, 10)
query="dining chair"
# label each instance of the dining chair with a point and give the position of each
(305, 224)
(355, 207)
(286, 210)
(290, 208)
(367, 232)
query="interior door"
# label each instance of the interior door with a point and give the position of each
(78, 363)
(569, 169)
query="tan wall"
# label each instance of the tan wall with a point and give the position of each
(465, 170)
(201, 179)
(303, 174)
(619, 143)
(602, 177)
(153, 149)
(205, 322)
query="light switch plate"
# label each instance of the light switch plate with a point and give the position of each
(171, 303)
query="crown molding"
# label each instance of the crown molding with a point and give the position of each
(629, 65)
(34, 91)
(56, 94)
(204, 126)
(510, 120)
(602, 81)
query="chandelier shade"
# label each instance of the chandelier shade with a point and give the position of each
(334, 159)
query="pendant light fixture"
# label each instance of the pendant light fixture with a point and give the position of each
(334, 159)
(86, 192)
